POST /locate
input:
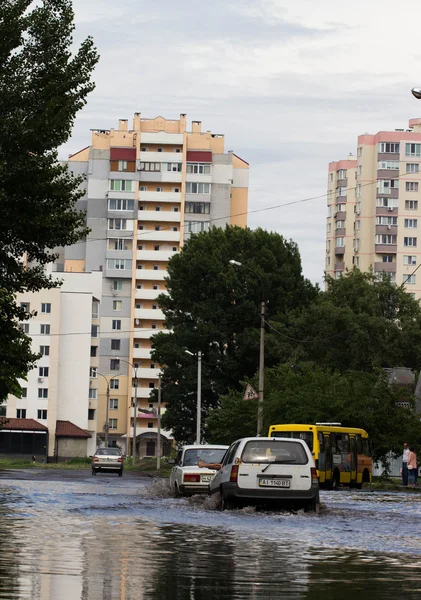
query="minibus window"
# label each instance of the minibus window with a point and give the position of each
(306, 436)
(366, 447)
(342, 441)
(358, 444)
(321, 441)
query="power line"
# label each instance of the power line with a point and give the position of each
(328, 337)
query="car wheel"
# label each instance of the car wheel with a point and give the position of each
(176, 491)
(311, 506)
(93, 472)
(226, 503)
(120, 473)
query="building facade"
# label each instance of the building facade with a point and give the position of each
(146, 190)
(374, 208)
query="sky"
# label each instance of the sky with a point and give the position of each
(291, 84)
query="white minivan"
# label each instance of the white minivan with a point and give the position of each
(267, 471)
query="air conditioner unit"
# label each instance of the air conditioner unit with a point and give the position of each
(357, 212)
(356, 249)
(328, 251)
(389, 226)
(390, 208)
(137, 322)
(40, 379)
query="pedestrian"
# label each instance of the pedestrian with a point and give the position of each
(34, 458)
(404, 469)
(412, 467)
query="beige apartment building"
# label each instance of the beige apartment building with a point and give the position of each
(148, 188)
(374, 208)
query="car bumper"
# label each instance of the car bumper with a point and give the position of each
(233, 491)
(194, 489)
(108, 466)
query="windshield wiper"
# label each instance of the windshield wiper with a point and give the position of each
(278, 462)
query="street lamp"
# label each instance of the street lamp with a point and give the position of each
(199, 394)
(262, 345)
(107, 425)
(134, 407)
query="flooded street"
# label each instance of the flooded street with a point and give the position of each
(67, 536)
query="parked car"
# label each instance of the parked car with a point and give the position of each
(186, 477)
(267, 471)
(107, 459)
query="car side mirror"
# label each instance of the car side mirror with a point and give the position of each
(171, 461)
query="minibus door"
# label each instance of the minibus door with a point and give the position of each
(328, 457)
(353, 450)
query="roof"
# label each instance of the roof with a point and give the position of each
(69, 429)
(23, 425)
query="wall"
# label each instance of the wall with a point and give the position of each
(71, 448)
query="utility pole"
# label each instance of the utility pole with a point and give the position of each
(261, 368)
(134, 417)
(158, 441)
(106, 414)
(199, 397)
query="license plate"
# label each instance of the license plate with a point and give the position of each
(206, 478)
(283, 483)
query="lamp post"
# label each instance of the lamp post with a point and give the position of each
(134, 407)
(107, 425)
(262, 346)
(158, 441)
(199, 395)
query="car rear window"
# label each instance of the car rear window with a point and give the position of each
(108, 452)
(208, 455)
(306, 436)
(271, 451)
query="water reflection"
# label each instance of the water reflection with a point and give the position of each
(105, 541)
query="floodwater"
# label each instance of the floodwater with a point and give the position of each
(80, 538)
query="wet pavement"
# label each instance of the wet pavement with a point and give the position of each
(67, 536)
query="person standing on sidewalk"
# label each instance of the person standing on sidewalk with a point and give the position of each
(412, 467)
(405, 464)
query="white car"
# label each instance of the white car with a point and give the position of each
(186, 477)
(267, 471)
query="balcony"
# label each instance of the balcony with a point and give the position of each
(340, 215)
(387, 267)
(149, 294)
(391, 193)
(151, 275)
(160, 197)
(161, 176)
(161, 216)
(386, 210)
(158, 236)
(159, 255)
(340, 266)
(341, 232)
(127, 195)
(386, 248)
(142, 393)
(171, 157)
(152, 314)
(340, 250)
(198, 177)
(146, 334)
(142, 353)
(146, 373)
(161, 137)
(387, 229)
(342, 183)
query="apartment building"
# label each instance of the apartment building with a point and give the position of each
(146, 190)
(374, 207)
(57, 392)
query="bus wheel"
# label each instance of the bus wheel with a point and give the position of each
(366, 479)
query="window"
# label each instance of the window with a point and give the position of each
(21, 413)
(387, 258)
(356, 261)
(175, 208)
(154, 307)
(412, 149)
(409, 279)
(116, 324)
(386, 239)
(150, 425)
(388, 164)
(94, 351)
(357, 225)
(360, 170)
(43, 393)
(200, 169)
(24, 327)
(24, 392)
(93, 372)
(44, 350)
(153, 326)
(196, 226)
(118, 285)
(159, 150)
(412, 167)
(94, 331)
(358, 190)
(200, 208)
(197, 188)
(386, 220)
(112, 423)
(25, 306)
(342, 174)
(114, 384)
(174, 167)
(115, 344)
(155, 287)
(93, 393)
(178, 149)
(385, 186)
(114, 364)
(176, 190)
(157, 228)
(122, 165)
(46, 307)
(45, 329)
(95, 309)
(91, 414)
(143, 188)
(119, 264)
(121, 185)
(329, 211)
(410, 241)
(159, 189)
(411, 204)
(174, 248)
(411, 186)
(156, 248)
(341, 191)
(119, 244)
(143, 149)
(151, 385)
(389, 147)
(41, 414)
(156, 267)
(340, 242)
(340, 207)
(43, 371)
(409, 260)
(340, 224)
(149, 166)
(117, 224)
(157, 208)
(411, 223)
(328, 261)
(113, 403)
(117, 305)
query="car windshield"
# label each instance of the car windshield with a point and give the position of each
(306, 436)
(271, 451)
(207, 455)
(108, 452)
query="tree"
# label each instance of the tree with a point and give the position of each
(358, 324)
(42, 87)
(307, 393)
(213, 306)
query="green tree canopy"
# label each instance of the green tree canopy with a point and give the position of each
(213, 307)
(43, 84)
